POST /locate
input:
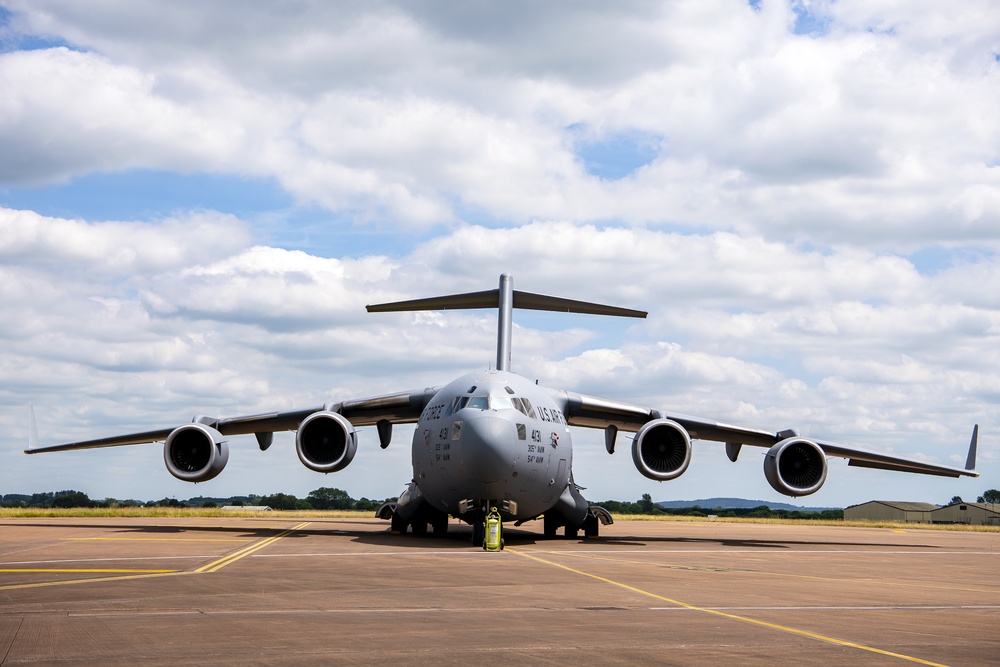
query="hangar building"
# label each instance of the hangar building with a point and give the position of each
(888, 510)
(973, 514)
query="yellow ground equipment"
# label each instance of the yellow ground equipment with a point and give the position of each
(494, 538)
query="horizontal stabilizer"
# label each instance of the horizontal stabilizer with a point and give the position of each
(505, 299)
(529, 301)
(487, 299)
(491, 299)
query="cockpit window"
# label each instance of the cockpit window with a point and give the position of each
(500, 403)
(489, 403)
(529, 410)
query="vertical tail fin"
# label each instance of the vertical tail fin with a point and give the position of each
(505, 324)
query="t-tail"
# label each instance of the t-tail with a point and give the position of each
(505, 298)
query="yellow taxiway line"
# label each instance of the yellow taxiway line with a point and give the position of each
(125, 575)
(81, 570)
(767, 573)
(153, 539)
(42, 584)
(217, 565)
(735, 617)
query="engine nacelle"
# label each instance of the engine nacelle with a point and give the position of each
(661, 450)
(795, 467)
(195, 452)
(326, 441)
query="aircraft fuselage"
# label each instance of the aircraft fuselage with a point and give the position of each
(492, 438)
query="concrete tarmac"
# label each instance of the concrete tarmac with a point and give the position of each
(280, 591)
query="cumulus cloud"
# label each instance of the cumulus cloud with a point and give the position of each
(91, 114)
(851, 134)
(119, 248)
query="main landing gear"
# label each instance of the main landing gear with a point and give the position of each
(596, 517)
(425, 517)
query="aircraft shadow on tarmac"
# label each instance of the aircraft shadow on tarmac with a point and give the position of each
(458, 537)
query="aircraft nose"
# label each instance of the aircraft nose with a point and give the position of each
(488, 447)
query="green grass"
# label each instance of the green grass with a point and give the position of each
(193, 512)
(898, 525)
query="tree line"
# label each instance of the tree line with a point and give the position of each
(991, 497)
(326, 498)
(323, 498)
(647, 506)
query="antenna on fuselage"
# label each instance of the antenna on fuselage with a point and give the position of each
(505, 298)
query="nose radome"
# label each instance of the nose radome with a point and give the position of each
(488, 447)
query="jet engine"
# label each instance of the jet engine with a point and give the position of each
(195, 452)
(795, 467)
(326, 441)
(661, 450)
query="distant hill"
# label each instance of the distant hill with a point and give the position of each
(738, 503)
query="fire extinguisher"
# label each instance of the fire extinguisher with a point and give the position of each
(494, 540)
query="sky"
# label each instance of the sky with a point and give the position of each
(197, 200)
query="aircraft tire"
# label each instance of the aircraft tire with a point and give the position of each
(571, 533)
(550, 525)
(478, 533)
(591, 526)
(397, 525)
(419, 527)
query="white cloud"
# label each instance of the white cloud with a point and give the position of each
(93, 115)
(117, 248)
(852, 135)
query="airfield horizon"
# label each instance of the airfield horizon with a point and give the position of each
(206, 512)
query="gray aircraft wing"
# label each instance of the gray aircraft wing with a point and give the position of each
(399, 408)
(593, 412)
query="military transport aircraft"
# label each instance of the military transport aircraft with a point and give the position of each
(493, 438)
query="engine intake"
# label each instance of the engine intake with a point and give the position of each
(661, 450)
(795, 467)
(195, 452)
(326, 441)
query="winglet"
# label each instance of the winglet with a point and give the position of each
(32, 429)
(970, 462)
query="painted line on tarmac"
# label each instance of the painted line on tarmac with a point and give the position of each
(767, 573)
(217, 565)
(43, 584)
(214, 566)
(396, 554)
(950, 607)
(153, 539)
(787, 552)
(404, 551)
(103, 560)
(546, 610)
(735, 617)
(81, 570)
